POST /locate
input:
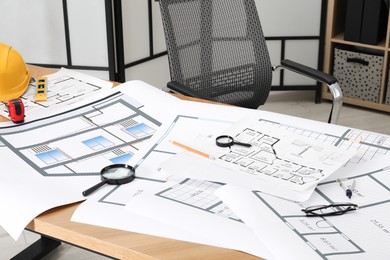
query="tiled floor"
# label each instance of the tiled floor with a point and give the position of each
(298, 103)
(9, 248)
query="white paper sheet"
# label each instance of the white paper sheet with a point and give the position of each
(278, 162)
(190, 206)
(362, 234)
(277, 156)
(207, 170)
(194, 119)
(149, 169)
(25, 195)
(106, 208)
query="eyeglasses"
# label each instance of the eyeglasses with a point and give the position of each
(333, 209)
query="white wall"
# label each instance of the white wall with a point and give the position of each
(35, 28)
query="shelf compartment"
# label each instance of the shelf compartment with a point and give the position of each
(339, 38)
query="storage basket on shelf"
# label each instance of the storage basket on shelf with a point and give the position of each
(359, 74)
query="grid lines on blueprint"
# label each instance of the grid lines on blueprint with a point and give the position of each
(367, 145)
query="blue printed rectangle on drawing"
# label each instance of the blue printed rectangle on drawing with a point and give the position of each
(122, 158)
(52, 156)
(140, 130)
(98, 142)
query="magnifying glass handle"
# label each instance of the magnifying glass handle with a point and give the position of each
(242, 144)
(93, 188)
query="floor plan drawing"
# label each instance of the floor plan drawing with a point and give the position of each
(367, 145)
(63, 88)
(193, 196)
(106, 132)
(163, 150)
(169, 204)
(337, 236)
(192, 206)
(262, 158)
(198, 194)
(183, 196)
(362, 234)
(51, 160)
(301, 162)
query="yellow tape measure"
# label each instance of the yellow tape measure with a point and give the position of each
(40, 89)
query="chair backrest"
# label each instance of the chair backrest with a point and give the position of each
(217, 48)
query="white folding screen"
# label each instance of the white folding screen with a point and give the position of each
(87, 32)
(138, 43)
(289, 18)
(135, 30)
(37, 30)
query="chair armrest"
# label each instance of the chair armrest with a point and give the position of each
(184, 90)
(308, 72)
(320, 76)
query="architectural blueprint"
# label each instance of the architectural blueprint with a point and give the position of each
(64, 87)
(364, 145)
(67, 151)
(191, 121)
(50, 161)
(107, 208)
(195, 196)
(105, 132)
(363, 234)
(276, 155)
(191, 205)
(178, 197)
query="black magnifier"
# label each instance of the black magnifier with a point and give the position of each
(227, 141)
(115, 174)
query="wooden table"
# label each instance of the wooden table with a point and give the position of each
(55, 225)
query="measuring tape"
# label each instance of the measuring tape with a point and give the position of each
(41, 89)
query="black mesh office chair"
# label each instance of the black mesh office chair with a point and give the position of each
(217, 51)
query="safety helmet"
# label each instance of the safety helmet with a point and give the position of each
(14, 75)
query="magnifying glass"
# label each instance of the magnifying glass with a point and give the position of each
(227, 141)
(115, 174)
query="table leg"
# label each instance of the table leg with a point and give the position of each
(38, 249)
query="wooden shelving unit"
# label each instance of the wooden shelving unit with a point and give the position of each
(335, 36)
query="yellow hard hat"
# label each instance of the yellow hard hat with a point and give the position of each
(14, 75)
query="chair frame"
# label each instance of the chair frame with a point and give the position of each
(317, 75)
